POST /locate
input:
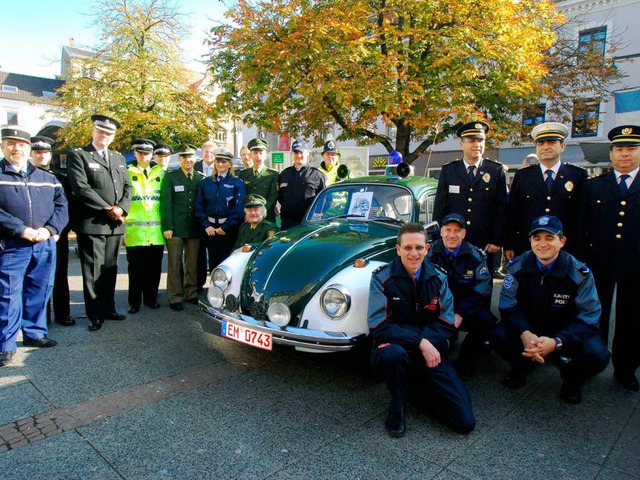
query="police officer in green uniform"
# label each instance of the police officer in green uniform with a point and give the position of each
(256, 229)
(143, 237)
(259, 179)
(180, 228)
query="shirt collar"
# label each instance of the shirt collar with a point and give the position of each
(632, 174)
(478, 164)
(554, 169)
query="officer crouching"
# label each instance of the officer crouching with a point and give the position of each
(550, 311)
(255, 229)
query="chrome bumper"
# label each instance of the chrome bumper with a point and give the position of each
(302, 338)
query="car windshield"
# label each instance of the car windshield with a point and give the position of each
(372, 201)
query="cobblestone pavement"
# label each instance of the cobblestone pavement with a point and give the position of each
(161, 395)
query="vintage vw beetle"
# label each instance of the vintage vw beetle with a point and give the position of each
(308, 287)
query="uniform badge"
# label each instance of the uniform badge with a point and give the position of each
(484, 273)
(568, 186)
(486, 177)
(626, 131)
(270, 233)
(508, 281)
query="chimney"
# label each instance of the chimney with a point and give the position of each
(72, 42)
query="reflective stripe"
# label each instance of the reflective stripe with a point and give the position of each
(143, 224)
(31, 184)
(217, 220)
(145, 197)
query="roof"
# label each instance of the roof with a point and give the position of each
(30, 89)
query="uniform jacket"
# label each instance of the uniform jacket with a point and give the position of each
(178, 203)
(296, 191)
(483, 204)
(265, 183)
(403, 312)
(221, 201)
(143, 226)
(36, 200)
(260, 233)
(469, 278)
(610, 227)
(331, 174)
(561, 303)
(97, 184)
(528, 199)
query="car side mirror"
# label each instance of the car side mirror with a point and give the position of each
(432, 230)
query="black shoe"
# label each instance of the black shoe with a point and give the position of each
(193, 301)
(95, 325)
(176, 306)
(514, 380)
(6, 357)
(114, 316)
(395, 424)
(628, 381)
(66, 322)
(40, 342)
(570, 393)
(153, 305)
(133, 309)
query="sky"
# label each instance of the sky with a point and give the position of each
(33, 32)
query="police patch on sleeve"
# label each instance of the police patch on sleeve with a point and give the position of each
(484, 273)
(508, 281)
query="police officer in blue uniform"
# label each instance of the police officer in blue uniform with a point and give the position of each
(101, 195)
(476, 188)
(470, 284)
(219, 209)
(411, 321)
(298, 185)
(549, 310)
(33, 210)
(610, 225)
(551, 187)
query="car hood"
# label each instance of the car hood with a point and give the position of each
(292, 265)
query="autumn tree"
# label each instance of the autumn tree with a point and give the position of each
(419, 65)
(136, 76)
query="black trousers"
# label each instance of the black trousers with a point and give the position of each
(60, 297)
(144, 269)
(626, 354)
(439, 389)
(219, 247)
(206, 256)
(99, 263)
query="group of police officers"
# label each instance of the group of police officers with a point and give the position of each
(549, 301)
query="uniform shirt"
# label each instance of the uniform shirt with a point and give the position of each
(529, 199)
(404, 312)
(609, 225)
(561, 302)
(219, 202)
(296, 190)
(97, 183)
(482, 203)
(178, 203)
(469, 278)
(258, 234)
(35, 200)
(264, 183)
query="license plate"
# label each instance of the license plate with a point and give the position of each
(246, 335)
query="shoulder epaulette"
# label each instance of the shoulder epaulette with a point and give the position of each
(438, 268)
(574, 166)
(380, 268)
(492, 161)
(451, 162)
(598, 176)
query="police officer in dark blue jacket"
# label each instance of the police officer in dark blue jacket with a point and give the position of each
(470, 284)
(298, 185)
(411, 321)
(33, 210)
(550, 311)
(219, 209)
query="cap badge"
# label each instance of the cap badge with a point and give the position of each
(627, 131)
(543, 220)
(478, 126)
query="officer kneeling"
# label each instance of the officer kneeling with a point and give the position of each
(411, 321)
(550, 311)
(255, 229)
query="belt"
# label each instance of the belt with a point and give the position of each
(219, 221)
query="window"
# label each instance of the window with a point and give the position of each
(532, 116)
(9, 88)
(591, 42)
(12, 118)
(47, 94)
(585, 118)
(220, 136)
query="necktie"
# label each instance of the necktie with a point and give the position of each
(255, 173)
(623, 184)
(415, 280)
(188, 176)
(471, 171)
(105, 157)
(450, 259)
(549, 180)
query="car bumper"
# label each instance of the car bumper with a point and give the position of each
(301, 338)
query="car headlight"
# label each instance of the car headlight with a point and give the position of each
(215, 295)
(221, 277)
(279, 314)
(335, 301)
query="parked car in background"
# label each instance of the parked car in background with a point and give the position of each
(308, 287)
